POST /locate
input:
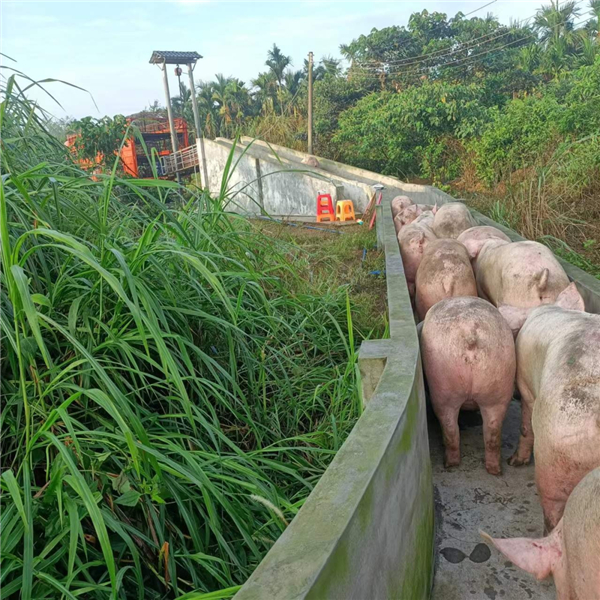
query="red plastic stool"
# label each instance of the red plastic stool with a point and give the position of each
(325, 210)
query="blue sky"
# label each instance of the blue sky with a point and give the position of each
(105, 46)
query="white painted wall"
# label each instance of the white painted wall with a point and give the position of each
(285, 188)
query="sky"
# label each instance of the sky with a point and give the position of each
(105, 46)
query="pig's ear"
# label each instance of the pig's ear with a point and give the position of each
(473, 247)
(538, 557)
(421, 238)
(514, 316)
(542, 279)
(434, 209)
(570, 298)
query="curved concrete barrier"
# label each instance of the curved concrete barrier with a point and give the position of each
(366, 531)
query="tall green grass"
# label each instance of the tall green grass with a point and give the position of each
(172, 388)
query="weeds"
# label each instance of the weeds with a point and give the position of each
(172, 389)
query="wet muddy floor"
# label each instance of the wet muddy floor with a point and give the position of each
(469, 499)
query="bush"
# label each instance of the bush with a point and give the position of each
(404, 134)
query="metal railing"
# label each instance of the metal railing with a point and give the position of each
(182, 160)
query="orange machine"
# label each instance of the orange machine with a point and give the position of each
(154, 130)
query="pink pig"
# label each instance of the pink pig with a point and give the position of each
(469, 360)
(413, 239)
(445, 271)
(410, 213)
(558, 376)
(571, 553)
(522, 274)
(399, 203)
(452, 219)
(475, 237)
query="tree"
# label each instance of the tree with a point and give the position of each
(98, 140)
(278, 63)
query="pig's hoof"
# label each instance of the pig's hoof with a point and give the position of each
(493, 469)
(448, 464)
(516, 461)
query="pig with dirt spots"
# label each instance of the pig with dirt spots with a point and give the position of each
(469, 360)
(413, 240)
(558, 376)
(571, 553)
(521, 274)
(410, 213)
(474, 238)
(445, 271)
(399, 203)
(452, 219)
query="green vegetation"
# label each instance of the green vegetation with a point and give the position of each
(496, 113)
(174, 379)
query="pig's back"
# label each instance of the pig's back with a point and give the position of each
(470, 341)
(520, 264)
(557, 346)
(560, 352)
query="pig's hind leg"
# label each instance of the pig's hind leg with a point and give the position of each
(493, 417)
(446, 410)
(522, 454)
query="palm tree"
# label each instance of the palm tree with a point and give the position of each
(555, 26)
(554, 22)
(266, 86)
(331, 66)
(207, 108)
(293, 80)
(593, 25)
(278, 63)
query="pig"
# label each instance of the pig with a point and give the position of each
(469, 360)
(558, 376)
(444, 271)
(410, 213)
(399, 203)
(427, 217)
(452, 219)
(571, 553)
(521, 274)
(311, 161)
(475, 237)
(413, 239)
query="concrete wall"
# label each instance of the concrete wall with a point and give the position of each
(366, 531)
(421, 194)
(261, 182)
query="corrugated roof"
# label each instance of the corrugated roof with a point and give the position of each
(172, 57)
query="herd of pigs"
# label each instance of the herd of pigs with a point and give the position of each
(493, 312)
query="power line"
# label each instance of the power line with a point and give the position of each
(464, 46)
(480, 8)
(373, 74)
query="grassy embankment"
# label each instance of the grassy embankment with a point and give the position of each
(174, 381)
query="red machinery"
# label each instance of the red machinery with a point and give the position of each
(154, 130)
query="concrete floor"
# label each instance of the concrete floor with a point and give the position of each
(469, 499)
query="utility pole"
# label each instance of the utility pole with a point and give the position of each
(199, 132)
(170, 114)
(310, 102)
